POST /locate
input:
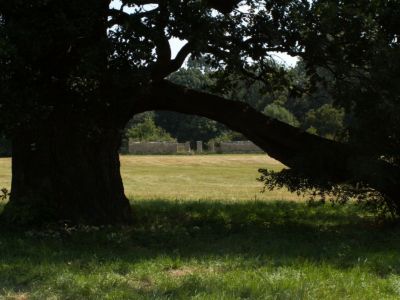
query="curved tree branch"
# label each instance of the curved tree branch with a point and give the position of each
(309, 154)
(280, 140)
(164, 65)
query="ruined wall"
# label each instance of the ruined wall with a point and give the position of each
(174, 148)
(157, 147)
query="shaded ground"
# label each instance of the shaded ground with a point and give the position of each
(209, 250)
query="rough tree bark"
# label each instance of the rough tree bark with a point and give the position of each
(65, 163)
(62, 173)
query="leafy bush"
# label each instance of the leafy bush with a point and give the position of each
(148, 131)
(321, 190)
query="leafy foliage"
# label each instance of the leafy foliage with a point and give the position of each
(148, 132)
(280, 113)
(321, 191)
(361, 57)
(358, 64)
(326, 120)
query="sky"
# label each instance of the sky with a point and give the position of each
(177, 44)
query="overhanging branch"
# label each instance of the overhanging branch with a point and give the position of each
(309, 154)
(280, 140)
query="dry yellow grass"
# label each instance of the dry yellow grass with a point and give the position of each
(5, 173)
(199, 160)
(215, 177)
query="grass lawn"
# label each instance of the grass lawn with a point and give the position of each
(213, 177)
(226, 246)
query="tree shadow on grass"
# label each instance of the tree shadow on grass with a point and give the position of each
(276, 234)
(340, 235)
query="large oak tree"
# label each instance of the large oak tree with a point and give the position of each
(74, 72)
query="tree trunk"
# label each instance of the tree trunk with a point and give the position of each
(65, 173)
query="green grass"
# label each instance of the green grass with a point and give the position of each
(208, 249)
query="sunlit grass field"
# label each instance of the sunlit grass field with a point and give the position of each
(213, 177)
(5, 173)
(203, 231)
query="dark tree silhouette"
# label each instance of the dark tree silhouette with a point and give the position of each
(74, 72)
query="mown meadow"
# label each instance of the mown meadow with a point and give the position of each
(202, 230)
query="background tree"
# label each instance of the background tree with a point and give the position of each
(326, 120)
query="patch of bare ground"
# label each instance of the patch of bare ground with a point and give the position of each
(17, 296)
(181, 272)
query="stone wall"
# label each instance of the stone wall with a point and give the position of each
(158, 148)
(183, 147)
(174, 148)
